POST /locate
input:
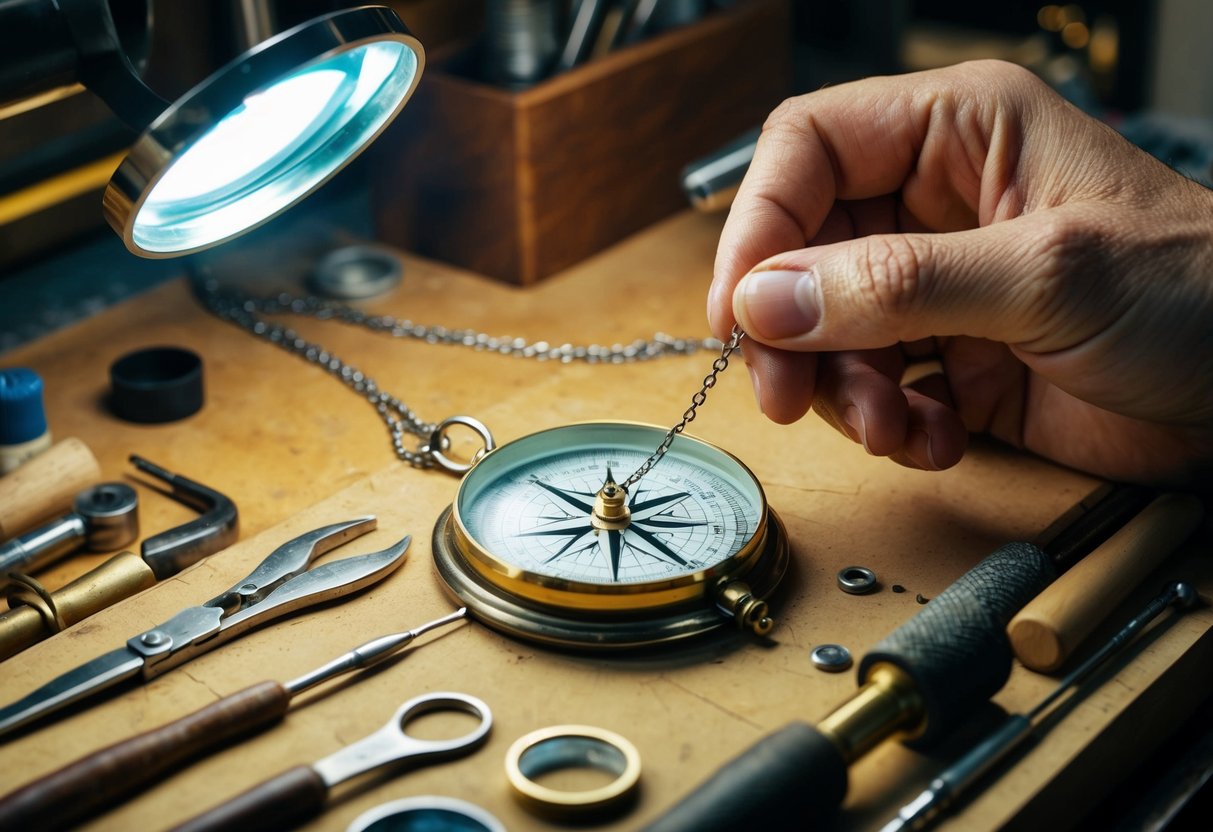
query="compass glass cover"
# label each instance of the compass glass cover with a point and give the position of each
(529, 504)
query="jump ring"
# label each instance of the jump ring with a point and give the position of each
(439, 442)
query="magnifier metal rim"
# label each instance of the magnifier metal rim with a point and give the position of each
(186, 120)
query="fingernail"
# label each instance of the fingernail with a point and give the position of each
(757, 387)
(779, 304)
(853, 417)
(931, 453)
(924, 438)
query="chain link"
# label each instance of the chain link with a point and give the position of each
(245, 312)
(688, 416)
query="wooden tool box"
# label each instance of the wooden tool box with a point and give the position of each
(519, 185)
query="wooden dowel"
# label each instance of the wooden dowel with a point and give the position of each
(1047, 630)
(45, 486)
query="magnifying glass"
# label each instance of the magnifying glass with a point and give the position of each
(253, 139)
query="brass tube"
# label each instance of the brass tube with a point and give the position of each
(887, 704)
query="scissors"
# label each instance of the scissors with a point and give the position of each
(280, 584)
(301, 792)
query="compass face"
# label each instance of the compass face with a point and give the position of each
(529, 504)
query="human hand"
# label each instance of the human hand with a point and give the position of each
(1062, 278)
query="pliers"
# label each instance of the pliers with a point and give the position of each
(282, 583)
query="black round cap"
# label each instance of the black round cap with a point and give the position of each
(159, 384)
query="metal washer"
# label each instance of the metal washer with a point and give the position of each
(856, 580)
(832, 658)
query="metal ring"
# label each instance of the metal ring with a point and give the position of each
(29, 591)
(572, 746)
(357, 272)
(856, 580)
(439, 442)
(426, 814)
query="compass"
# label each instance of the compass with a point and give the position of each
(542, 543)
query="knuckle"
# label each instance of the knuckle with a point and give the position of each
(787, 113)
(890, 273)
(1069, 250)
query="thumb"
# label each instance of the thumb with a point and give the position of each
(1013, 281)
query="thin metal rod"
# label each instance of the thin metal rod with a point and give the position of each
(369, 654)
(1181, 594)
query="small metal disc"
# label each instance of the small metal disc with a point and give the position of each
(357, 271)
(856, 580)
(832, 658)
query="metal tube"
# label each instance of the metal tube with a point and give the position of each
(40, 48)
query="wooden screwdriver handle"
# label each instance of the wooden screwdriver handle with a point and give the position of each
(282, 802)
(45, 485)
(1046, 631)
(104, 778)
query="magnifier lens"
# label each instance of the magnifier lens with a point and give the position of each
(427, 820)
(426, 814)
(282, 141)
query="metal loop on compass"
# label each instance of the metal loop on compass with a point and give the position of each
(439, 442)
(572, 746)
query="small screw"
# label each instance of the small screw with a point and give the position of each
(153, 639)
(898, 588)
(920, 598)
(832, 658)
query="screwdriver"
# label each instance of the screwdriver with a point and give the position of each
(957, 778)
(113, 774)
(918, 684)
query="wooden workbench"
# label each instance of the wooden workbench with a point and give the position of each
(295, 451)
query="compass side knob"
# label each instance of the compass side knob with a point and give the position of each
(736, 600)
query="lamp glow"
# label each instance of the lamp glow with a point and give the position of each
(192, 182)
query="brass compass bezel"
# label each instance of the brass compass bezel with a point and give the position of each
(584, 614)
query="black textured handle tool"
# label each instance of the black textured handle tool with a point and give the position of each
(956, 650)
(783, 782)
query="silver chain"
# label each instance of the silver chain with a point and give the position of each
(688, 416)
(245, 312)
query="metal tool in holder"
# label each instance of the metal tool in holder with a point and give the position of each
(108, 515)
(103, 518)
(301, 793)
(282, 583)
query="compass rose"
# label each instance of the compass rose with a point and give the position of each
(651, 518)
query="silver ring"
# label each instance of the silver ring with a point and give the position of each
(572, 746)
(856, 580)
(439, 443)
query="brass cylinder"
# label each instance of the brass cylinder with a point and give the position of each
(887, 704)
(38, 614)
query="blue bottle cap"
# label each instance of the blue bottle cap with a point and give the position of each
(22, 417)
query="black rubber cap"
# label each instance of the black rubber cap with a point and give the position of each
(155, 385)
